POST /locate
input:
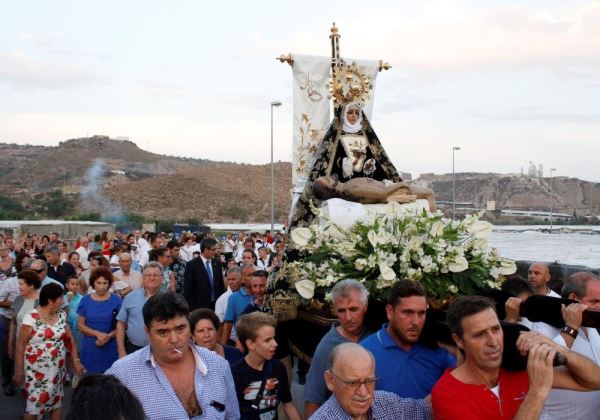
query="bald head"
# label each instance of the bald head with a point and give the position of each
(351, 378)
(350, 353)
(539, 276)
(125, 262)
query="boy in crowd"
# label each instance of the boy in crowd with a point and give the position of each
(261, 382)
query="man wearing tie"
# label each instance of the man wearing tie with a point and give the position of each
(203, 278)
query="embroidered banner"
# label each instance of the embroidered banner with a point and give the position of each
(311, 111)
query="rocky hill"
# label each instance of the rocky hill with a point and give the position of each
(518, 192)
(108, 176)
(114, 176)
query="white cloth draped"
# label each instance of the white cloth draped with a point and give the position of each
(346, 213)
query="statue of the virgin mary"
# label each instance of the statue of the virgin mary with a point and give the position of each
(350, 149)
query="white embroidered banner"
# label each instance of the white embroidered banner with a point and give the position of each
(312, 108)
(311, 112)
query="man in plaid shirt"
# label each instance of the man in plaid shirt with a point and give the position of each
(351, 379)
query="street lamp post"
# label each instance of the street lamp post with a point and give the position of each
(454, 148)
(551, 197)
(273, 104)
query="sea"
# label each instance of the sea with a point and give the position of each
(572, 245)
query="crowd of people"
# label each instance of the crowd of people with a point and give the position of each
(177, 327)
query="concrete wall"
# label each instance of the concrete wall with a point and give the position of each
(67, 231)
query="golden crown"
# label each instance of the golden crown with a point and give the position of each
(349, 84)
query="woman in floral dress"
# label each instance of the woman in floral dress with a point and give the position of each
(41, 351)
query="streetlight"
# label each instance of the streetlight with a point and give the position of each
(551, 197)
(273, 104)
(454, 148)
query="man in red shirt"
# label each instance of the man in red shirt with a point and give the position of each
(481, 389)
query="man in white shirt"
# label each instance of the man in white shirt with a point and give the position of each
(562, 404)
(264, 258)
(539, 276)
(145, 247)
(228, 246)
(234, 282)
(132, 279)
(9, 290)
(84, 251)
(247, 244)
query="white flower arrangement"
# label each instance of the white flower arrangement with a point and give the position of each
(446, 256)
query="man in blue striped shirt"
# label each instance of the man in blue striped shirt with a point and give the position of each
(173, 378)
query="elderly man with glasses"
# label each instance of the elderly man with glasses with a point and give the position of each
(131, 335)
(41, 269)
(351, 379)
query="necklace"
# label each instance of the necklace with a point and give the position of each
(47, 318)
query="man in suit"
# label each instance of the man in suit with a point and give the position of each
(203, 278)
(58, 270)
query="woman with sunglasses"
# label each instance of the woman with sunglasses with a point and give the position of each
(7, 264)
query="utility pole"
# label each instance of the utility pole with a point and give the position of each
(273, 104)
(551, 196)
(454, 148)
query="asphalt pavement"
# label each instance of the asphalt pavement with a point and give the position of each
(12, 408)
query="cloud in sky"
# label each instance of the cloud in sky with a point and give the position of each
(508, 81)
(537, 115)
(40, 40)
(22, 70)
(160, 89)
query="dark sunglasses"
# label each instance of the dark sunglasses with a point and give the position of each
(39, 270)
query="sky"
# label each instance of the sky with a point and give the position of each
(506, 81)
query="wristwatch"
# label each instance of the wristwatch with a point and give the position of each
(572, 332)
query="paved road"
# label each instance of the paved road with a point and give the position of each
(12, 407)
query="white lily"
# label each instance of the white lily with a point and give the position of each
(301, 236)
(387, 273)
(375, 238)
(392, 209)
(437, 228)
(459, 264)
(507, 267)
(305, 288)
(480, 229)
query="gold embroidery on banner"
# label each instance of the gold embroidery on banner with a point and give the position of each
(309, 143)
(313, 94)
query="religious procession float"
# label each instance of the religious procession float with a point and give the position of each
(352, 216)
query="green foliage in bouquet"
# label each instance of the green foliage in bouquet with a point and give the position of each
(447, 257)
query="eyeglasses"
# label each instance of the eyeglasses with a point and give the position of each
(355, 384)
(39, 270)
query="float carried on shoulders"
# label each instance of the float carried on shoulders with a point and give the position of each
(352, 216)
